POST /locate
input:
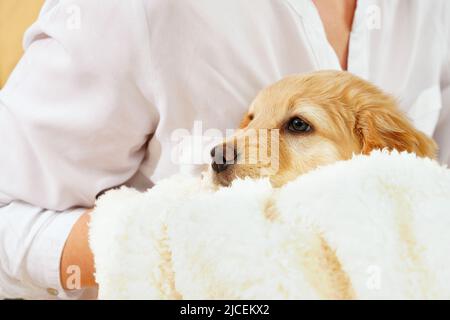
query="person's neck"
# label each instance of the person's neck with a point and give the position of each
(343, 10)
(337, 18)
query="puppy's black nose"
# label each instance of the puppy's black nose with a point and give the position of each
(222, 157)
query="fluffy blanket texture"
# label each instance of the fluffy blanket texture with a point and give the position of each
(373, 227)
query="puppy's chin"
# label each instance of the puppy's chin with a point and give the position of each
(215, 180)
(222, 179)
(226, 178)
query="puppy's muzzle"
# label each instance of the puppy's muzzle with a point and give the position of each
(223, 157)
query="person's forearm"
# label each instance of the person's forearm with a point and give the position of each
(77, 261)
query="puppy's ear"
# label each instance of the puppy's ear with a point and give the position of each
(246, 120)
(380, 127)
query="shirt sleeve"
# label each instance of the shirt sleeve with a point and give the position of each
(32, 241)
(75, 118)
(442, 132)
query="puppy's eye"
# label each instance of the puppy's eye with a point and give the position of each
(299, 126)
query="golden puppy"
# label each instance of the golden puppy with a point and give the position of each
(306, 121)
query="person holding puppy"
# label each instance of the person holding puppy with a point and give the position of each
(102, 85)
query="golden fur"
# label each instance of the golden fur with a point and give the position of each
(347, 115)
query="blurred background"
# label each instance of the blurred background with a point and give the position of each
(15, 17)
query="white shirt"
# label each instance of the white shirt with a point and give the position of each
(100, 79)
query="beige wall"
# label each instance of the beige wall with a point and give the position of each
(15, 17)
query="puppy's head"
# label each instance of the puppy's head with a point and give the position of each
(303, 122)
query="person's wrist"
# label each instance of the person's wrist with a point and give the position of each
(77, 261)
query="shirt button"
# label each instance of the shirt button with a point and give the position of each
(52, 292)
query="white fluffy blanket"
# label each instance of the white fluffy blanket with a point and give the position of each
(373, 227)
